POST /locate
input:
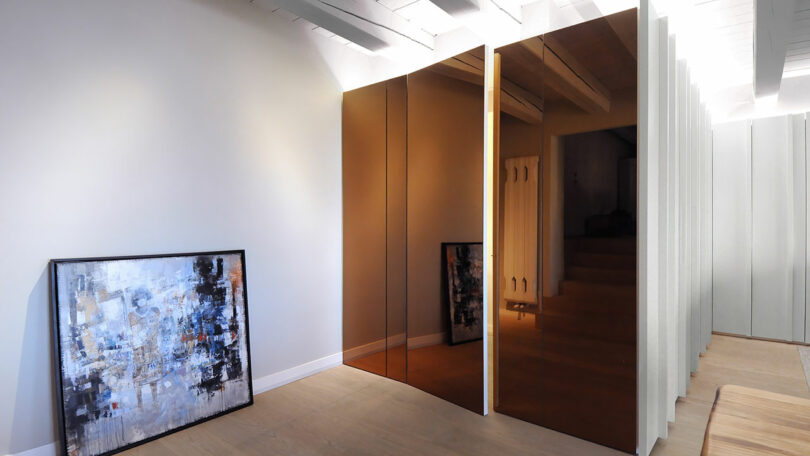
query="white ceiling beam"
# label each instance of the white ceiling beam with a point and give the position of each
(454, 7)
(772, 30)
(364, 22)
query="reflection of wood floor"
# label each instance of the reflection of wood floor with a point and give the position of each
(573, 366)
(345, 411)
(454, 373)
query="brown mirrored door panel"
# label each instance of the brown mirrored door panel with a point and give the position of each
(566, 350)
(364, 228)
(374, 125)
(396, 228)
(445, 229)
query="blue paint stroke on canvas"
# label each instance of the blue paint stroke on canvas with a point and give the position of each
(149, 345)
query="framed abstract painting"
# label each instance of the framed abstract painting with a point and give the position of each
(147, 345)
(465, 278)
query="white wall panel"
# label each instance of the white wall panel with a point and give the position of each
(732, 228)
(799, 200)
(772, 221)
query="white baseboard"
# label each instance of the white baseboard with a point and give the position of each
(292, 374)
(44, 450)
(260, 385)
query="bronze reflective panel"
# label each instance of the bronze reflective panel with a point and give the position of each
(374, 125)
(445, 230)
(566, 314)
(364, 228)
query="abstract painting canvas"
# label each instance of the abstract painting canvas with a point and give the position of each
(148, 345)
(465, 274)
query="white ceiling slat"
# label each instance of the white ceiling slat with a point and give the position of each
(429, 17)
(396, 4)
(454, 7)
(367, 23)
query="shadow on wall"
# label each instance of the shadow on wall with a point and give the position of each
(35, 406)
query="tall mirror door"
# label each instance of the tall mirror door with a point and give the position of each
(374, 317)
(445, 230)
(566, 331)
(413, 229)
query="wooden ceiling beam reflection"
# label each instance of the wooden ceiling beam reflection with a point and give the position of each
(515, 100)
(566, 75)
(624, 26)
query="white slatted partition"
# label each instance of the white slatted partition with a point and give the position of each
(694, 226)
(664, 221)
(807, 230)
(673, 233)
(675, 237)
(684, 311)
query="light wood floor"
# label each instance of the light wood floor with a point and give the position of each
(770, 366)
(345, 411)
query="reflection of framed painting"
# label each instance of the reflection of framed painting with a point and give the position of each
(465, 278)
(146, 346)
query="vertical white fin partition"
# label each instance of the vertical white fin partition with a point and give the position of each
(676, 238)
(649, 372)
(807, 232)
(675, 227)
(673, 232)
(684, 312)
(694, 226)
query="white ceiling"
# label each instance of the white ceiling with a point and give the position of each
(715, 36)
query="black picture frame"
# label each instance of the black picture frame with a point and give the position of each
(52, 267)
(447, 294)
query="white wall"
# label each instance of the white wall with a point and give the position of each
(760, 264)
(150, 126)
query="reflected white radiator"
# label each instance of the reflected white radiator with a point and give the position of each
(520, 230)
